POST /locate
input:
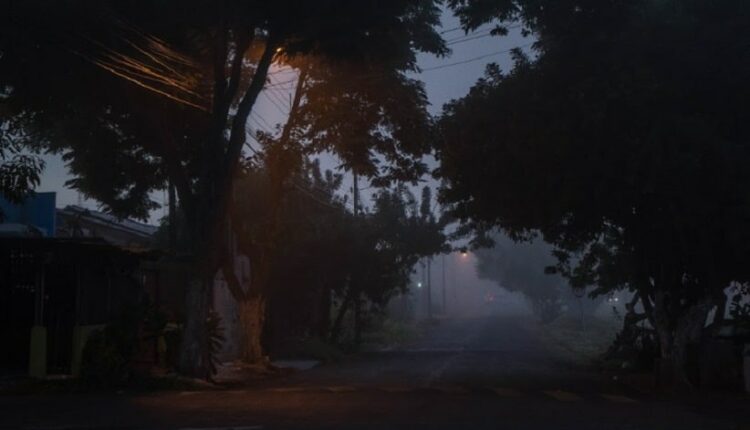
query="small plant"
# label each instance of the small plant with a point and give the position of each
(103, 363)
(106, 358)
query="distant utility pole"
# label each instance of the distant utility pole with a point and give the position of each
(356, 292)
(355, 195)
(442, 267)
(172, 217)
(429, 287)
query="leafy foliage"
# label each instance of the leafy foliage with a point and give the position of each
(623, 143)
(107, 356)
(19, 169)
(136, 95)
(321, 248)
(739, 309)
(120, 142)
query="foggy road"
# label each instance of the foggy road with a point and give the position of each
(491, 372)
(473, 353)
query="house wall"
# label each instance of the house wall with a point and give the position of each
(37, 210)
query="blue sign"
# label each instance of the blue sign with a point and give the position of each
(37, 210)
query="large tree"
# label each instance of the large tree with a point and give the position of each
(624, 143)
(371, 116)
(322, 250)
(141, 94)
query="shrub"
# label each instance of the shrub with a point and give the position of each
(106, 360)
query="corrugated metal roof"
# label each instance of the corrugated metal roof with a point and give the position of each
(135, 227)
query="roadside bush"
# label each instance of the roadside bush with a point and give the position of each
(387, 332)
(103, 364)
(107, 356)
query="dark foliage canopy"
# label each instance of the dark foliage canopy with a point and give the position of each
(625, 140)
(126, 91)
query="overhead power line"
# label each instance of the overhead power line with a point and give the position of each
(478, 35)
(477, 58)
(451, 30)
(275, 103)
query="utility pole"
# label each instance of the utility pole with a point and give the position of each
(356, 293)
(442, 267)
(355, 195)
(429, 287)
(172, 217)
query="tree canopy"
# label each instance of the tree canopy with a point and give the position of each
(19, 168)
(163, 65)
(623, 144)
(138, 95)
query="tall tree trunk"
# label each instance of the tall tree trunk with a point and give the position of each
(676, 333)
(323, 313)
(252, 305)
(339, 320)
(252, 310)
(207, 208)
(721, 309)
(194, 359)
(358, 320)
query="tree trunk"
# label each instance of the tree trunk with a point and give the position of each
(676, 335)
(206, 203)
(721, 309)
(338, 322)
(358, 320)
(194, 360)
(252, 310)
(322, 319)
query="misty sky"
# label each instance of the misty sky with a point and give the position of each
(448, 82)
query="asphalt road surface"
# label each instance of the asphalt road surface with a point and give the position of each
(491, 372)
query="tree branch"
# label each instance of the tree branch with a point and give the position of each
(220, 61)
(242, 43)
(298, 93)
(239, 124)
(175, 170)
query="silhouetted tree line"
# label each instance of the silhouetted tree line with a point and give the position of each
(138, 97)
(322, 257)
(622, 141)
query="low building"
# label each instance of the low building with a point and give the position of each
(63, 273)
(78, 222)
